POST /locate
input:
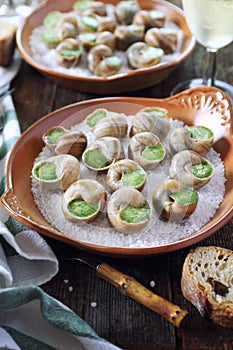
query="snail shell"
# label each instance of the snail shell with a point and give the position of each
(86, 7)
(107, 38)
(49, 34)
(106, 23)
(57, 172)
(108, 66)
(95, 23)
(141, 55)
(167, 204)
(96, 54)
(115, 124)
(52, 19)
(84, 200)
(190, 169)
(180, 139)
(126, 35)
(149, 19)
(121, 208)
(90, 40)
(63, 141)
(97, 7)
(124, 173)
(68, 52)
(185, 138)
(165, 38)
(67, 26)
(102, 62)
(103, 153)
(152, 119)
(68, 18)
(125, 11)
(58, 26)
(142, 148)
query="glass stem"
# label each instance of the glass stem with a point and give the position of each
(210, 66)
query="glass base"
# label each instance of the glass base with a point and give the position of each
(193, 83)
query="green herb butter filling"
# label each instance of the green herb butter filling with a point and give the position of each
(114, 62)
(135, 215)
(54, 135)
(70, 53)
(50, 36)
(45, 171)
(95, 117)
(153, 152)
(88, 37)
(134, 178)
(90, 22)
(154, 110)
(81, 208)
(186, 196)
(96, 159)
(200, 132)
(82, 5)
(202, 170)
(52, 18)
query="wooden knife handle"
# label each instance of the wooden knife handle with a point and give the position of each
(130, 287)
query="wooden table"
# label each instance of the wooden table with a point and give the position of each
(116, 317)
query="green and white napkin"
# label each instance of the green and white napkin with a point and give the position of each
(25, 258)
(34, 320)
(30, 318)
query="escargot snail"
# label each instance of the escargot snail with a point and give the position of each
(128, 210)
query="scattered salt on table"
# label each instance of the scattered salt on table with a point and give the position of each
(152, 284)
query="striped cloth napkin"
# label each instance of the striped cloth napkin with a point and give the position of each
(30, 318)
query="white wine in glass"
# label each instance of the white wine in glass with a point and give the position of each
(211, 23)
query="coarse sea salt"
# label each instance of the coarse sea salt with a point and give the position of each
(152, 284)
(157, 232)
(93, 304)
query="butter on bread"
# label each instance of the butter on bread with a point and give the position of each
(207, 282)
(7, 42)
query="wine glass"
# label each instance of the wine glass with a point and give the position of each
(211, 22)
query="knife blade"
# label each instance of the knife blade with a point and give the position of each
(8, 74)
(126, 284)
(6, 93)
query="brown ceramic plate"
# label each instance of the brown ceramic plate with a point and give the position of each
(130, 81)
(206, 106)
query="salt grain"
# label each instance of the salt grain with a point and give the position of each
(152, 284)
(71, 289)
(93, 304)
(65, 281)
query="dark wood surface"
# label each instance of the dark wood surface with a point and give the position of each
(116, 317)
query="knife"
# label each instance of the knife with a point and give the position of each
(7, 74)
(6, 93)
(126, 284)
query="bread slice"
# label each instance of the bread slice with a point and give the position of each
(7, 42)
(207, 282)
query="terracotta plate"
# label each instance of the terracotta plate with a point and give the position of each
(202, 106)
(130, 81)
